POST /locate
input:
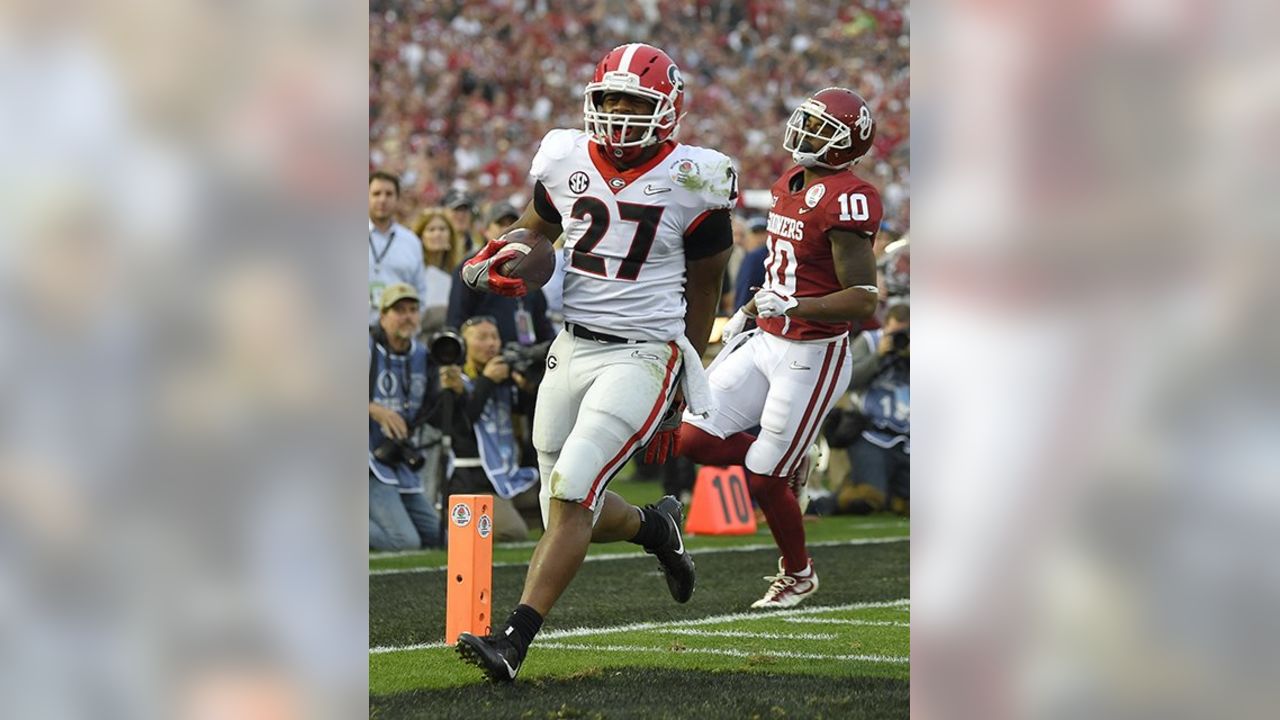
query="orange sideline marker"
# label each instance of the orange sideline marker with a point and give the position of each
(721, 504)
(469, 597)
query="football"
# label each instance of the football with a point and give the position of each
(536, 262)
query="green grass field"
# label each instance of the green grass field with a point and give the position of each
(617, 646)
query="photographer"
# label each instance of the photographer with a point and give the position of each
(404, 393)
(881, 382)
(486, 449)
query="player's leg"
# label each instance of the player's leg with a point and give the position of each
(656, 528)
(629, 387)
(807, 380)
(619, 520)
(565, 541)
(581, 445)
(558, 555)
(738, 387)
(555, 561)
(618, 416)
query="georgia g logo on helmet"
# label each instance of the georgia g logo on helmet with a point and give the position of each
(673, 76)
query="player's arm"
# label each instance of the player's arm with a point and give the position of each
(540, 215)
(855, 262)
(707, 250)
(481, 271)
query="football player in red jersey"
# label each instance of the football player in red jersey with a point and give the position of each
(786, 375)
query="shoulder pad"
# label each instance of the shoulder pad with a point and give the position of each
(556, 145)
(707, 174)
(852, 206)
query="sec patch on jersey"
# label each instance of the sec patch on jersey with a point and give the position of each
(536, 261)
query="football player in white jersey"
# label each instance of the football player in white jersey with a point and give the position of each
(785, 376)
(647, 237)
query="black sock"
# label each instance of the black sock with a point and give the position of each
(525, 622)
(654, 529)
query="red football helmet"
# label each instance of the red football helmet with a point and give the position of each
(644, 71)
(843, 133)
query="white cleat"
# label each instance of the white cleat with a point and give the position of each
(786, 590)
(799, 480)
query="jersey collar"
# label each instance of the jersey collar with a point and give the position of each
(612, 175)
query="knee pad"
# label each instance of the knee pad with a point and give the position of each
(765, 453)
(576, 468)
(549, 433)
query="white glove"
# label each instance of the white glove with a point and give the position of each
(733, 327)
(770, 304)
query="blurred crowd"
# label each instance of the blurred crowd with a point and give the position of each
(460, 93)
(460, 96)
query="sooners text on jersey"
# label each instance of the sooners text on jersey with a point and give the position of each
(800, 263)
(625, 230)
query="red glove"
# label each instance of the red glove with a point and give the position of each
(481, 271)
(665, 444)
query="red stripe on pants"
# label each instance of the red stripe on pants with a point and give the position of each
(817, 420)
(654, 414)
(808, 411)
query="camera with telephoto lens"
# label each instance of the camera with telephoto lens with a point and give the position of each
(901, 341)
(842, 428)
(399, 452)
(447, 348)
(528, 360)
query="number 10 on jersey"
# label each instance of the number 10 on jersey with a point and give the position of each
(780, 273)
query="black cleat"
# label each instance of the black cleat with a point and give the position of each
(676, 564)
(497, 656)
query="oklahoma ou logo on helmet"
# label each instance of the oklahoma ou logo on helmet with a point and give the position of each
(863, 123)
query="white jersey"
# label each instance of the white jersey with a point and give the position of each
(625, 230)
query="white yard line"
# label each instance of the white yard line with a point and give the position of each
(841, 621)
(759, 635)
(899, 660)
(641, 555)
(711, 620)
(533, 543)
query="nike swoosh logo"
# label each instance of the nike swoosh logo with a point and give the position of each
(651, 190)
(803, 211)
(510, 671)
(679, 539)
(797, 366)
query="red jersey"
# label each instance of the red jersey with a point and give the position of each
(800, 263)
